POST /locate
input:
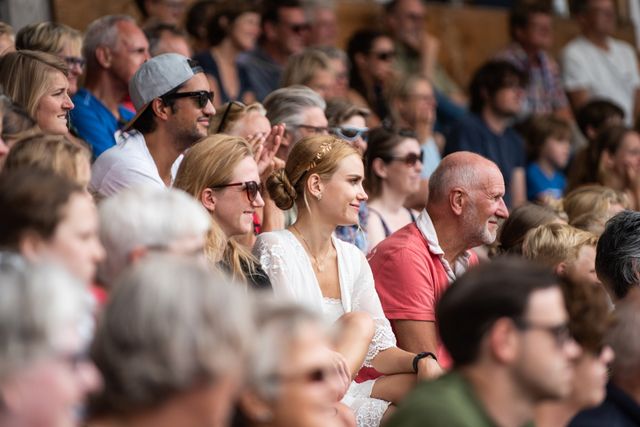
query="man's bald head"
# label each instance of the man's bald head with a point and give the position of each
(457, 170)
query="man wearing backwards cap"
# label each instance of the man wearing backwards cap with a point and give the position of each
(173, 105)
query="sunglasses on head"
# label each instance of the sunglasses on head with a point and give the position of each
(251, 187)
(410, 159)
(230, 105)
(202, 97)
(385, 56)
(350, 134)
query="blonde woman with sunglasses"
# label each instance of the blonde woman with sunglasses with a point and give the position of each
(220, 172)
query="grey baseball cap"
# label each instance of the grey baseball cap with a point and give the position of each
(159, 76)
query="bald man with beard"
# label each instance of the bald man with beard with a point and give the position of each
(414, 266)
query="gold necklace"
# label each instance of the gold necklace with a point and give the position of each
(319, 265)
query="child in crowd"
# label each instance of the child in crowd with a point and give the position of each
(548, 145)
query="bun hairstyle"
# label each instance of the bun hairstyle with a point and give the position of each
(317, 154)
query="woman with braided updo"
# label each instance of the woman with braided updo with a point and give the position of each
(306, 263)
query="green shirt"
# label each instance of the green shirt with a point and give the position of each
(448, 401)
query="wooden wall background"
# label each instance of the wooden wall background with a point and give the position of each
(468, 35)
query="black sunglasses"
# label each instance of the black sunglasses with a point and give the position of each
(300, 28)
(410, 159)
(251, 187)
(202, 97)
(385, 56)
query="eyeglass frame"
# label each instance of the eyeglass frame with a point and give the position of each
(74, 61)
(259, 188)
(561, 334)
(317, 130)
(207, 95)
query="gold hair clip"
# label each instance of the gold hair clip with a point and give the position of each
(325, 147)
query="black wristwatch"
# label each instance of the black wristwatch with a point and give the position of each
(422, 356)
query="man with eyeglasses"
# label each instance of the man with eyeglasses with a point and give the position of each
(414, 266)
(174, 104)
(506, 328)
(285, 32)
(114, 48)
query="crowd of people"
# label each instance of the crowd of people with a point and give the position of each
(217, 217)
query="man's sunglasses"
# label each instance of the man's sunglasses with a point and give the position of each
(410, 159)
(251, 187)
(202, 97)
(385, 56)
(350, 134)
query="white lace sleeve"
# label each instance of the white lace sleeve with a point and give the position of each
(365, 298)
(272, 255)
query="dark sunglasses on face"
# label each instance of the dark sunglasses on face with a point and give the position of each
(251, 187)
(385, 56)
(350, 134)
(410, 159)
(202, 97)
(300, 28)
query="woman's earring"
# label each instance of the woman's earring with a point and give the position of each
(319, 196)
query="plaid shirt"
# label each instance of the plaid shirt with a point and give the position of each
(545, 93)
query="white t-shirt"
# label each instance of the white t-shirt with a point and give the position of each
(610, 74)
(127, 164)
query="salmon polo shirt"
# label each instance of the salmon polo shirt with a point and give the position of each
(411, 274)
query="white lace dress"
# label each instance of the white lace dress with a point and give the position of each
(292, 277)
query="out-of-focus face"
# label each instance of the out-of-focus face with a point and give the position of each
(485, 209)
(72, 55)
(626, 159)
(507, 101)
(75, 242)
(50, 391)
(130, 52)
(556, 151)
(419, 107)
(189, 121)
(314, 122)
(323, 82)
(324, 30)
(306, 397)
(245, 30)
(171, 43)
(600, 17)
(380, 60)
(402, 173)
(590, 379)
(53, 108)
(167, 11)
(7, 44)
(291, 32)
(251, 124)
(544, 367)
(341, 74)
(233, 207)
(408, 22)
(583, 269)
(356, 123)
(538, 33)
(343, 193)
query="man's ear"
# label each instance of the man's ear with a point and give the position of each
(31, 245)
(503, 340)
(160, 109)
(208, 199)
(104, 56)
(457, 200)
(561, 269)
(136, 254)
